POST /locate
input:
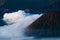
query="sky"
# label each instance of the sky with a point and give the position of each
(31, 4)
(35, 6)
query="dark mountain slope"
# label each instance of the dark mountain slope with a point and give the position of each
(47, 25)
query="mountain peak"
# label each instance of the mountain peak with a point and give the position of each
(47, 25)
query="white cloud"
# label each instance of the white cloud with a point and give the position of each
(17, 22)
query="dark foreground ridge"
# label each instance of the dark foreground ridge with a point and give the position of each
(47, 25)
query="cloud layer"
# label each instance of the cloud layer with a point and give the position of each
(17, 22)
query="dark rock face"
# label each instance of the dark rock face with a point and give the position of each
(47, 25)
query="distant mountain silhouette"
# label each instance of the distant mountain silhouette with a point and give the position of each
(47, 25)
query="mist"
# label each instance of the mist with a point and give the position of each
(17, 22)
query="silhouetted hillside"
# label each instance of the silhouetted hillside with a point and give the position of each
(47, 25)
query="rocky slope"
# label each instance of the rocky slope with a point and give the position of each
(47, 25)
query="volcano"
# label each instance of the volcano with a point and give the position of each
(48, 25)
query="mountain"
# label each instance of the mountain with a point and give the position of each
(48, 25)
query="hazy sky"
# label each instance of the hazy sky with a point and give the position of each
(32, 4)
(38, 6)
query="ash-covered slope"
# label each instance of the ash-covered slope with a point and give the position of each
(47, 25)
